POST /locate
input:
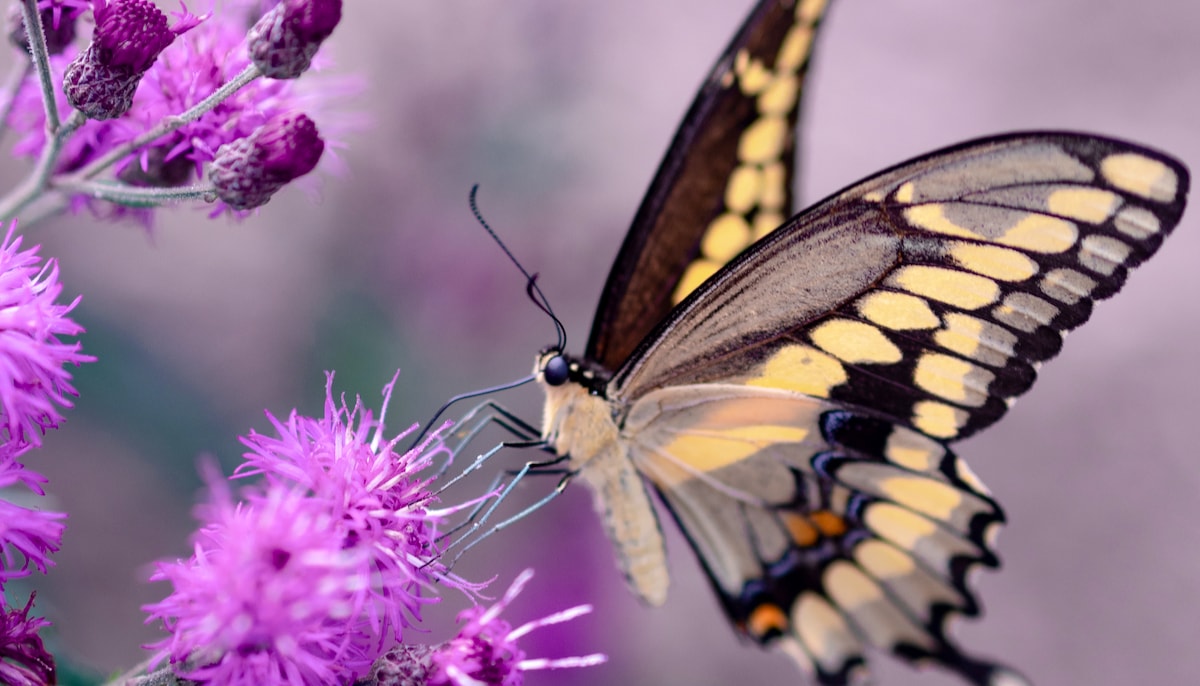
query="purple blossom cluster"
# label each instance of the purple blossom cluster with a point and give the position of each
(313, 575)
(157, 100)
(34, 386)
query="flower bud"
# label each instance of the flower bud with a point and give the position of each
(58, 23)
(248, 171)
(129, 36)
(282, 43)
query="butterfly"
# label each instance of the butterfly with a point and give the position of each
(790, 388)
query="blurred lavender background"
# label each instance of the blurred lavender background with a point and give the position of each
(560, 111)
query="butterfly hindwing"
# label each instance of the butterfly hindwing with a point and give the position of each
(822, 531)
(725, 181)
(929, 293)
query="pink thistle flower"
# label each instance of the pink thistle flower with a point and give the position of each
(485, 652)
(380, 496)
(24, 661)
(269, 596)
(27, 537)
(33, 381)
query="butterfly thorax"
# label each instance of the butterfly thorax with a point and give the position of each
(581, 424)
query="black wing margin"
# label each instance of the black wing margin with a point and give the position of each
(725, 181)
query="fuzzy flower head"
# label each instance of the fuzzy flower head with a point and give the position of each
(485, 652)
(129, 36)
(33, 381)
(270, 595)
(27, 536)
(379, 493)
(24, 661)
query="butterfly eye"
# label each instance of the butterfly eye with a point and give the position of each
(556, 371)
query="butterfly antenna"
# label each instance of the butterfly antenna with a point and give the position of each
(531, 288)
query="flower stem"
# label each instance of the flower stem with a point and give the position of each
(133, 195)
(41, 59)
(12, 84)
(35, 184)
(169, 124)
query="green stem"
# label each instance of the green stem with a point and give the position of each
(169, 124)
(41, 60)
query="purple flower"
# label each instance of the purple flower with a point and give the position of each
(318, 568)
(247, 172)
(27, 537)
(58, 23)
(129, 36)
(195, 65)
(379, 496)
(485, 652)
(269, 595)
(24, 661)
(282, 43)
(33, 382)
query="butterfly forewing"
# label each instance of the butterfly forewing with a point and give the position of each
(927, 294)
(725, 181)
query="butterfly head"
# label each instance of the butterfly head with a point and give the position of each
(554, 368)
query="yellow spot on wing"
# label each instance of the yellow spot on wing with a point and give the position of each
(1140, 175)
(780, 96)
(994, 261)
(774, 187)
(765, 223)
(823, 630)
(1039, 233)
(961, 289)
(904, 194)
(1092, 205)
(795, 48)
(953, 379)
(898, 311)
(753, 76)
(883, 561)
(932, 217)
(803, 369)
(706, 451)
(926, 496)
(744, 187)
(763, 140)
(855, 342)
(938, 419)
(913, 451)
(727, 236)
(898, 525)
(977, 339)
(810, 10)
(696, 273)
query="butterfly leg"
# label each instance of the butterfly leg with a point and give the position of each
(533, 467)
